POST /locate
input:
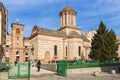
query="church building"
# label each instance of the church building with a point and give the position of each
(66, 43)
(45, 44)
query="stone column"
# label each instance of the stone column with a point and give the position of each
(75, 21)
(67, 19)
(61, 21)
(71, 19)
(63, 18)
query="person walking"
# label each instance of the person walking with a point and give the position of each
(38, 65)
(15, 62)
(32, 64)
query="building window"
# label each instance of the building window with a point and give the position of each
(7, 52)
(26, 53)
(17, 53)
(7, 45)
(66, 50)
(5, 30)
(55, 50)
(79, 51)
(17, 38)
(26, 46)
(5, 36)
(18, 31)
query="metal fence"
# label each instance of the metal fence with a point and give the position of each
(21, 70)
(90, 63)
(3, 67)
(62, 68)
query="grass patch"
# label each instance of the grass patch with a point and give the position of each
(87, 64)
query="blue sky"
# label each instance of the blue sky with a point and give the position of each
(45, 13)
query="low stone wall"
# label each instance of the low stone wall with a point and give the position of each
(93, 69)
(51, 67)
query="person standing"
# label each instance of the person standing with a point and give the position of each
(38, 65)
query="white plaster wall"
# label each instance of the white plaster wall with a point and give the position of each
(46, 43)
(68, 30)
(34, 43)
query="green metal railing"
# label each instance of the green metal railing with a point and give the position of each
(62, 68)
(3, 67)
(21, 70)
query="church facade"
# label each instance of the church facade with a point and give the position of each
(66, 43)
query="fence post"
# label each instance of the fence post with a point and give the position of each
(18, 70)
(28, 69)
(62, 68)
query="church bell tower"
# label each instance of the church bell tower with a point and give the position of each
(17, 43)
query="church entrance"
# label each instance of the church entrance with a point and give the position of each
(47, 56)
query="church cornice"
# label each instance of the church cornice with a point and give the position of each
(16, 24)
(65, 36)
(69, 27)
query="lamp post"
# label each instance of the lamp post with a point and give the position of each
(32, 51)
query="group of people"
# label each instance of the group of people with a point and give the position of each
(38, 65)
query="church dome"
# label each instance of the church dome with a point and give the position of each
(68, 8)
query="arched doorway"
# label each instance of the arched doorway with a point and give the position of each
(47, 56)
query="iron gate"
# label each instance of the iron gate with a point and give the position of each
(62, 68)
(21, 70)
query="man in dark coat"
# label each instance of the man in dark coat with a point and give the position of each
(38, 65)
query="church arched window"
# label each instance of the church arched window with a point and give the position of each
(18, 31)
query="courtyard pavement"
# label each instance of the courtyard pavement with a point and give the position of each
(35, 73)
(102, 76)
(50, 75)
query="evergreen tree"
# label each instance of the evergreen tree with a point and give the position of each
(113, 46)
(103, 46)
